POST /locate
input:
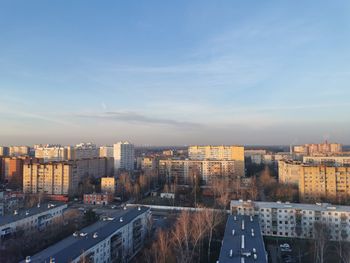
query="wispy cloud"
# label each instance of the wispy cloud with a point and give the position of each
(134, 117)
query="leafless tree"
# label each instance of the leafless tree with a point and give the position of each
(321, 235)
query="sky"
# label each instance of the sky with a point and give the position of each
(174, 72)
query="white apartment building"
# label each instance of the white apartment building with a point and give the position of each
(51, 153)
(32, 219)
(328, 160)
(297, 220)
(117, 239)
(106, 151)
(18, 150)
(83, 151)
(124, 155)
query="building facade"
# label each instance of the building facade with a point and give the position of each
(328, 160)
(108, 185)
(183, 171)
(315, 149)
(106, 151)
(114, 240)
(316, 181)
(4, 151)
(98, 198)
(51, 153)
(32, 219)
(60, 178)
(83, 151)
(19, 150)
(297, 220)
(124, 155)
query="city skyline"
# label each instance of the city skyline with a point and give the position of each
(179, 73)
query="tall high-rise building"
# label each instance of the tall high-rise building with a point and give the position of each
(124, 155)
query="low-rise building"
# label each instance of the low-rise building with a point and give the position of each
(242, 241)
(32, 219)
(297, 220)
(116, 239)
(98, 198)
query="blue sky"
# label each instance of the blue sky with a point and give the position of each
(174, 72)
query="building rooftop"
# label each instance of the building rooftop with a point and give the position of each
(280, 205)
(23, 213)
(71, 247)
(242, 242)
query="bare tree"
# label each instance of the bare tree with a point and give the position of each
(321, 235)
(212, 219)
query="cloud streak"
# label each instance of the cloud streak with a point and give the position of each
(134, 117)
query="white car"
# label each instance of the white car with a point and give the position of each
(75, 234)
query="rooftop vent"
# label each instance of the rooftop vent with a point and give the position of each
(95, 235)
(121, 219)
(251, 219)
(124, 207)
(28, 259)
(38, 205)
(242, 224)
(234, 218)
(233, 232)
(255, 256)
(231, 253)
(139, 208)
(242, 242)
(15, 212)
(27, 213)
(254, 250)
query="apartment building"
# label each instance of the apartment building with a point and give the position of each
(316, 181)
(328, 160)
(32, 219)
(4, 151)
(10, 201)
(106, 151)
(117, 239)
(242, 241)
(108, 185)
(297, 220)
(124, 155)
(232, 153)
(19, 150)
(147, 164)
(184, 170)
(83, 151)
(315, 149)
(60, 178)
(98, 198)
(51, 152)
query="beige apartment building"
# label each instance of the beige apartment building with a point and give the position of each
(184, 170)
(316, 180)
(108, 185)
(221, 152)
(316, 149)
(60, 178)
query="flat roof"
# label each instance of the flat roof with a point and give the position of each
(31, 211)
(71, 247)
(280, 205)
(239, 245)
